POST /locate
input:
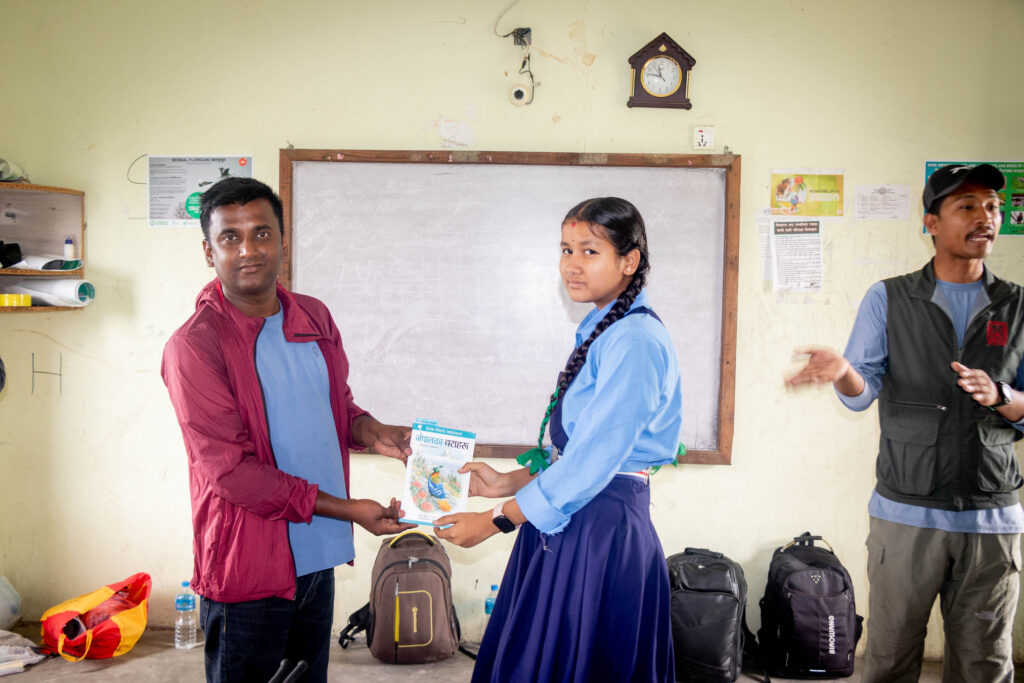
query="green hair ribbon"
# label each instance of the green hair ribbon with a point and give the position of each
(537, 458)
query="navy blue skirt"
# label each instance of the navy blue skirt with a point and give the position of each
(590, 603)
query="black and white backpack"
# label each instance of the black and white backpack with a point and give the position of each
(809, 621)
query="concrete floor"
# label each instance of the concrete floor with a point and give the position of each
(155, 659)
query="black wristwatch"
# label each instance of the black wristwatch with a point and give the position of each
(1005, 395)
(504, 524)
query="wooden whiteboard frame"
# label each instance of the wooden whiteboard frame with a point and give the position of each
(729, 162)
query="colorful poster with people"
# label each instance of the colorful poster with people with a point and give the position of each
(810, 192)
(1011, 197)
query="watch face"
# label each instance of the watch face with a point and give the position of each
(504, 524)
(661, 76)
(1005, 393)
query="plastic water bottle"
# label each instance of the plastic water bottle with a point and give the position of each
(185, 619)
(489, 600)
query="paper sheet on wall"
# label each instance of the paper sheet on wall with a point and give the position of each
(811, 192)
(764, 229)
(797, 263)
(882, 202)
(177, 183)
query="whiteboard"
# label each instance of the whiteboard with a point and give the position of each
(443, 280)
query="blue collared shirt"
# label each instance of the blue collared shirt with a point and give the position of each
(868, 353)
(622, 413)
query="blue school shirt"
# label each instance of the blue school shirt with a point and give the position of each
(868, 353)
(297, 394)
(623, 413)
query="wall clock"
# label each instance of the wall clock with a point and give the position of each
(660, 75)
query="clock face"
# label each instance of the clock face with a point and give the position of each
(661, 76)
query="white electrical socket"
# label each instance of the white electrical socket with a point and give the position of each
(703, 137)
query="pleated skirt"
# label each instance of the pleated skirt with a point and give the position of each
(590, 603)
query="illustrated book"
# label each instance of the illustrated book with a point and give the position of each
(433, 486)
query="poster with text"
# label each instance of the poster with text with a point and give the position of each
(808, 192)
(177, 183)
(797, 263)
(1011, 197)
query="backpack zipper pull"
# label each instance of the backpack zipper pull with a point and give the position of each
(413, 560)
(414, 622)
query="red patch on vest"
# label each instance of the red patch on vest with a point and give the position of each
(997, 333)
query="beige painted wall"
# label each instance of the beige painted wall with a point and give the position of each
(92, 478)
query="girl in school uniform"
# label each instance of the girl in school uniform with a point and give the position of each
(585, 595)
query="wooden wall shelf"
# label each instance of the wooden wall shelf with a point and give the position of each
(38, 218)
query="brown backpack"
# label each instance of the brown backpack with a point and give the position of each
(411, 619)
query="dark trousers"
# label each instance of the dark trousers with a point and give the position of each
(246, 641)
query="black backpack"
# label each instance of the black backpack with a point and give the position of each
(809, 622)
(709, 602)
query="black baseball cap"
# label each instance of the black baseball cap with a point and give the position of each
(948, 178)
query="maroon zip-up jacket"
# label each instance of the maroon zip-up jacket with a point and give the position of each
(241, 501)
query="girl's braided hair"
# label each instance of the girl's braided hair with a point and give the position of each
(619, 222)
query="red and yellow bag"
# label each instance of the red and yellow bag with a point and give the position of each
(105, 623)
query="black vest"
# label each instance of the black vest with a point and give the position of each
(938, 447)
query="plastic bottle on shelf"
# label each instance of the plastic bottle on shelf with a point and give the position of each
(69, 249)
(489, 600)
(185, 618)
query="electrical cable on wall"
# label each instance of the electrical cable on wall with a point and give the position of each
(519, 94)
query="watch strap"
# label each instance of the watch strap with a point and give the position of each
(504, 524)
(1005, 392)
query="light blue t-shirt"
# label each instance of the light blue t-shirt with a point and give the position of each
(868, 353)
(622, 413)
(296, 391)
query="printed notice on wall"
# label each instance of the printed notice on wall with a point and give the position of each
(882, 202)
(810, 192)
(177, 183)
(764, 230)
(1011, 197)
(797, 264)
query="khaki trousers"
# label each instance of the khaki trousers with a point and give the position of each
(976, 576)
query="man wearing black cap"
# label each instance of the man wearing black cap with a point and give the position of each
(942, 350)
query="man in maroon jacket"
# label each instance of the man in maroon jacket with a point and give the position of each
(259, 381)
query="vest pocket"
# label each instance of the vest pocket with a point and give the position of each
(907, 456)
(997, 463)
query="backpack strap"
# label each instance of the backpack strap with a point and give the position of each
(807, 539)
(411, 534)
(358, 622)
(751, 652)
(458, 634)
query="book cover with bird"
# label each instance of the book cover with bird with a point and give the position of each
(433, 486)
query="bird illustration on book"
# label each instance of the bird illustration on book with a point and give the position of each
(435, 489)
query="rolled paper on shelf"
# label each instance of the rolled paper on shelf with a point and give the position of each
(47, 262)
(58, 292)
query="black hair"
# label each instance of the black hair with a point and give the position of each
(619, 222)
(937, 205)
(234, 190)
